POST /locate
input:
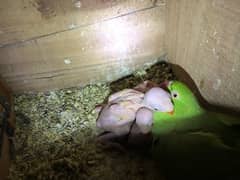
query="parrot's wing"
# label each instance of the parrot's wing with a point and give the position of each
(196, 155)
(226, 126)
(189, 142)
(227, 119)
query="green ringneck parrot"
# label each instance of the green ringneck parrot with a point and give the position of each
(193, 140)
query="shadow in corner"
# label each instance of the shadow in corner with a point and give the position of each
(183, 76)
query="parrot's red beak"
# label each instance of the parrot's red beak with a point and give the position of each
(171, 112)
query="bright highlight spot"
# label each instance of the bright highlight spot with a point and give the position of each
(67, 61)
(119, 37)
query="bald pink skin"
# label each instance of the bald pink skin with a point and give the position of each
(126, 95)
(144, 119)
(129, 104)
(120, 112)
(158, 99)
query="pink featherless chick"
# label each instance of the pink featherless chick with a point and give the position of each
(123, 107)
(119, 114)
(155, 99)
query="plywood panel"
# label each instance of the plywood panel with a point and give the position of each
(23, 20)
(101, 51)
(204, 38)
(78, 77)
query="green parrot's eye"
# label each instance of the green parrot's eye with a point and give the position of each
(174, 95)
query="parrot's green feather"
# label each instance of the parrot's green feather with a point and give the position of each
(188, 115)
(183, 111)
(196, 155)
(193, 137)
